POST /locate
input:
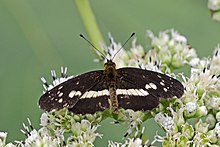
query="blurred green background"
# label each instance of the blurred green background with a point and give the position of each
(37, 36)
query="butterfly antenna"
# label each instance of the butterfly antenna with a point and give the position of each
(102, 54)
(123, 45)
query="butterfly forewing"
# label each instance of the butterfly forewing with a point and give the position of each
(95, 99)
(140, 89)
(68, 93)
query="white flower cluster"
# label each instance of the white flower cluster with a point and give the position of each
(3, 136)
(56, 80)
(111, 50)
(169, 51)
(172, 49)
(134, 119)
(201, 101)
(165, 121)
(60, 129)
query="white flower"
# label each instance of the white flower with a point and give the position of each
(216, 16)
(203, 80)
(216, 60)
(159, 41)
(3, 136)
(194, 62)
(135, 143)
(165, 121)
(159, 118)
(131, 142)
(218, 116)
(214, 4)
(32, 138)
(168, 124)
(214, 103)
(172, 49)
(10, 145)
(217, 129)
(56, 80)
(42, 137)
(111, 50)
(202, 111)
(190, 107)
(177, 37)
(84, 132)
(44, 119)
(134, 119)
(201, 126)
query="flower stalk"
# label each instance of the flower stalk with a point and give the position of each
(89, 22)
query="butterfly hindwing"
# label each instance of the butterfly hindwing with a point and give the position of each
(91, 105)
(95, 99)
(68, 93)
(140, 89)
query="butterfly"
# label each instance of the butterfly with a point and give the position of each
(111, 88)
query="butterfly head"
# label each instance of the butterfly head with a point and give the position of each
(109, 64)
(110, 69)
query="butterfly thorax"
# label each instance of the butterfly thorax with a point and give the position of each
(110, 76)
(110, 71)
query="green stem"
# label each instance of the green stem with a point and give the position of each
(89, 22)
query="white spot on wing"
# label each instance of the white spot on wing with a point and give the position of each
(60, 100)
(145, 93)
(99, 93)
(158, 76)
(72, 93)
(78, 93)
(162, 83)
(124, 92)
(119, 91)
(133, 92)
(94, 94)
(136, 92)
(84, 95)
(90, 94)
(165, 89)
(139, 92)
(129, 92)
(152, 85)
(61, 94)
(66, 105)
(60, 87)
(147, 86)
(105, 92)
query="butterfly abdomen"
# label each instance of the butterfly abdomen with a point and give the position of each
(110, 75)
(113, 97)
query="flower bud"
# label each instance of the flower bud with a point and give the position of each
(201, 127)
(188, 131)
